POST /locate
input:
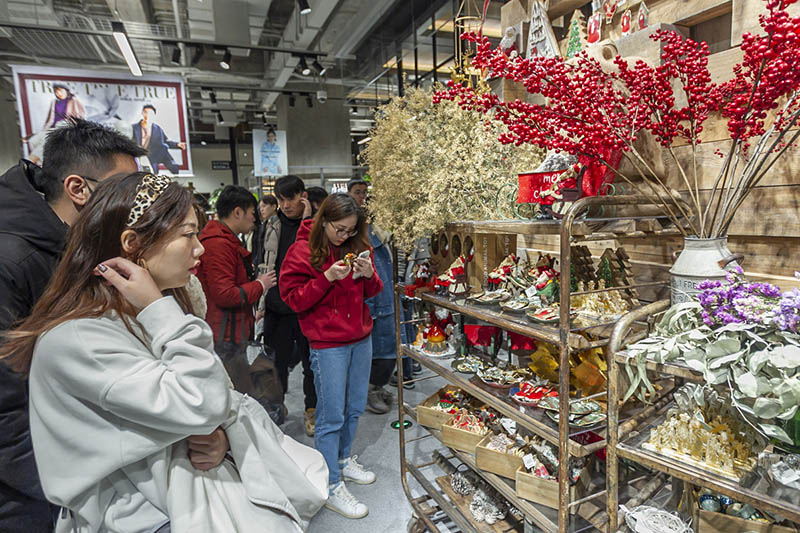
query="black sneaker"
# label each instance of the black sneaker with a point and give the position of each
(417, 368)
(407, 384)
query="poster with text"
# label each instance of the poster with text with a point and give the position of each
(269, 153)
(150, 109)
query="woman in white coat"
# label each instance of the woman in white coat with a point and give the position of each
(122, 374)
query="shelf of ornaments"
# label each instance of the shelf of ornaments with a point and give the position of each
(651, 445)
(517, 323)
(583, 230)
(589, 513)
(534, 419)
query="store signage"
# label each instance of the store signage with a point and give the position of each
(220, 165)
(150, 109)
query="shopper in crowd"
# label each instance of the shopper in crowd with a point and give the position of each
(316, 195)
(384, 358)
(226, 271)
(327, 287)
(37, 206)
(122, 375)
(281, 328)
(267, 208)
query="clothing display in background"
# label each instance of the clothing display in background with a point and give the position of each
(270, 157)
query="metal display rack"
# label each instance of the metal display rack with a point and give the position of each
(625, 439)
(572, 230)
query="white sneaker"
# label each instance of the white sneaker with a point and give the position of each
(344, 503)
(353, 471)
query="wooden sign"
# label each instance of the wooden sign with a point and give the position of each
(541, 39)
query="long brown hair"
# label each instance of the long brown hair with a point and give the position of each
(336, 207)
(74, 292)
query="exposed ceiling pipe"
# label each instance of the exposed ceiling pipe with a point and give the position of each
(179, 31)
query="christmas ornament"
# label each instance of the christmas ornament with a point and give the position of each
(576, 39)
(593, 28)
(625, 23)
(643, 13)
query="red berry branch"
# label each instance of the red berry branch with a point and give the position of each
(591, 111)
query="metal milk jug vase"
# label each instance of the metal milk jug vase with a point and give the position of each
(701, 259)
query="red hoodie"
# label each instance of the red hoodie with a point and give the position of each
(222, 272)
(330, 314)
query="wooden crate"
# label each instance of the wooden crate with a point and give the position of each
(428, 416)
(711, 522)
(545, 491)
(502, 464)
(459, 439)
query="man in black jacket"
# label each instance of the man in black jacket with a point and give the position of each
(37, 205)
(281, 328)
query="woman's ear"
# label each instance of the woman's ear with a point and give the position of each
(129, 240)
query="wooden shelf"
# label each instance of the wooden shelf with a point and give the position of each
(673, 369)
(631, 449)
(531, 418)
(508, 321)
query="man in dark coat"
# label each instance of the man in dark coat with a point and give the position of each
(152, 138)
(37, 205)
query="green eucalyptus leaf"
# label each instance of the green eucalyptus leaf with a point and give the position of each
(722, 347)
(757, 360)
(716, 377)
(786, 415)
(776, 432)
(725, 360)
(748, 385)
(785, 357)
(767, 408)
(742, 406)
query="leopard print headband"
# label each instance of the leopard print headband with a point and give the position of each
(147, 192)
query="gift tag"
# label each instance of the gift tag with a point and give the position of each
(509, 425)
(529, 461)
(531, 291)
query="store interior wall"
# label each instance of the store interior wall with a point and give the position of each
(318, 136)
(10, 144)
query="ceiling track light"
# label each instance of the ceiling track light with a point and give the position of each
(124, 44)
(291, 100)
(304, 70)
(319, 68)
(220, 119)
(198, 54)
(305, 9)
(176, 55)
(213, 96)
(354, 110)
(226, 60)
(309, 100)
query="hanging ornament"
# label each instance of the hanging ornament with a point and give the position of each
(609, 8)
(593, 27)
(541, 39)
(625, 23)
(643, 13)
(576, 37)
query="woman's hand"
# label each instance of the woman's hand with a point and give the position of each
(132, 281)
(267, 280)
(208, 451)
(337, 271)
(363, 267)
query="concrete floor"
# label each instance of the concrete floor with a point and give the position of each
(377, 447)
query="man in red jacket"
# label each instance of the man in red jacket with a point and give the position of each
(225, 271)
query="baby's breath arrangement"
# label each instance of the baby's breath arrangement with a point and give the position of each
(432, 164)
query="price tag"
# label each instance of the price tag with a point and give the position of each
(531, 292)
(529, 461)
(509, 425)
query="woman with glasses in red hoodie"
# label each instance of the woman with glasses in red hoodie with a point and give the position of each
(325, 281)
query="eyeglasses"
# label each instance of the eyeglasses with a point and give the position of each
(343, 232)
(84, 178)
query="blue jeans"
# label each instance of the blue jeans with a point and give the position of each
(341, 377)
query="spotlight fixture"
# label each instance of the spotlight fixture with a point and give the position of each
(198, 54)
(305, 9)
(264, 117)
(220, 120)
(213, 96)
(121, 37)
(291, 100)
(354, 110)
(304, 70)
(309, 100)
(176, 55)
(226, 60)
(319, 68)
(203, 143)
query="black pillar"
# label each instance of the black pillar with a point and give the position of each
(234, 162)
